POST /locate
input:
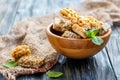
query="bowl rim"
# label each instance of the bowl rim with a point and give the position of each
(49, 32)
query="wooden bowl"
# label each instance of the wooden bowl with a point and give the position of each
(75, 48)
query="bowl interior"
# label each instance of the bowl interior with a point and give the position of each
(58, 34)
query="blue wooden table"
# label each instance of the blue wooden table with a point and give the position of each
(103, 66)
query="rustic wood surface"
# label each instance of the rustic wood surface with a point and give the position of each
(103, 66)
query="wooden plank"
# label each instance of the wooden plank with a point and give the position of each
(33, 8)
(94, 68)
(8, 10)
(113, 50)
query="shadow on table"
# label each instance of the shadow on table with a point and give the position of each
(84, 69)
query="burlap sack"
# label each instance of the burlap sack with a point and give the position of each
(106, 11)
(32, 33)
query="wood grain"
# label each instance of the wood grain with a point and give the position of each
(8, 10)
(113, 50)
(103, 66)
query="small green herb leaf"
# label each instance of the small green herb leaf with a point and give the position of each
(94, 33)
(88, 33)
(97, 40)
(54, 74)
(91, 33)
(10, 64)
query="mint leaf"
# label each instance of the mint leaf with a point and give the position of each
(88, 33)
(94, 32)
(54, 74)
(91, 33)
(97, 40)
(10, 64)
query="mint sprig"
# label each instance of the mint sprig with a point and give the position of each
(10, 64)
(95, 39)
(54, 74)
